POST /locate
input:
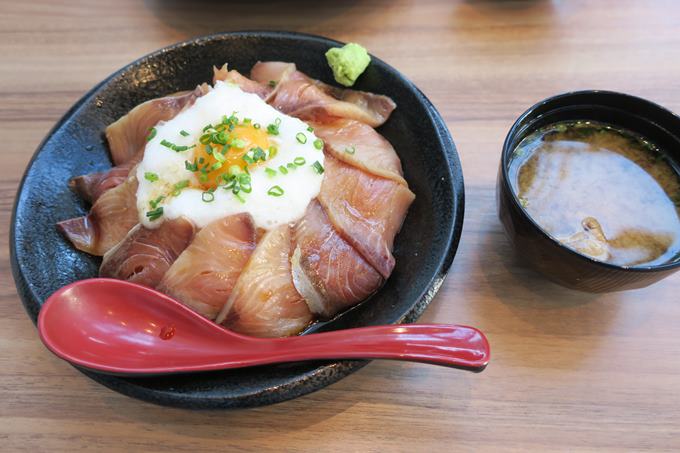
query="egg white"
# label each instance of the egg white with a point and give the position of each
(300, 185)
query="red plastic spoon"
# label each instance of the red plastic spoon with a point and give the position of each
(118, 327)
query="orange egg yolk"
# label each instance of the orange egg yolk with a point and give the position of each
(243, 134)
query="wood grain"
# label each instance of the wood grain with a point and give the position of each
(569, 371)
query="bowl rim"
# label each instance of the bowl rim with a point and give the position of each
(507, 154)
(302, 382)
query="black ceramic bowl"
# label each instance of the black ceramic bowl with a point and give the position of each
(547, 255)
(43, 261)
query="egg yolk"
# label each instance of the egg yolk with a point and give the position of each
(246, 137)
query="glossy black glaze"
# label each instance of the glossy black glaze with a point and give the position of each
(547, 255)
(43, 261)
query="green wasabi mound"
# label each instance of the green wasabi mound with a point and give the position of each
(348, 63)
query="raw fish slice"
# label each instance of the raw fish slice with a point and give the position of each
(328, 271)
(128, 135)
(272, 72)
(145, 254)
(205, 273)
(109, 220)
(359, 145)
(365, 209)
(235, 77)
(298, 95)
(91, 186)
(264, 302)
(379, 106)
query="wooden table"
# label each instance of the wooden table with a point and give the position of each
(569, 371)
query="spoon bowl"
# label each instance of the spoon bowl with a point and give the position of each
(122, 328)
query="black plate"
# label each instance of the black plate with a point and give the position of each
(43, 261)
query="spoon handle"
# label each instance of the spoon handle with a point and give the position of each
(439, 344)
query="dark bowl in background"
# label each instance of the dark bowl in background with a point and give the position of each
(545, 254)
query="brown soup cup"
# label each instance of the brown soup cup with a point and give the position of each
(541, 251)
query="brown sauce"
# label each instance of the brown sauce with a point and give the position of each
(605, 192)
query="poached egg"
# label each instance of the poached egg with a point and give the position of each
(229, 153)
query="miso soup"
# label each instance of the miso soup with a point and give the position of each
(603, 191)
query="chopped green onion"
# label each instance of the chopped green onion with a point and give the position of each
(154, 203)
(237, 182)
(203, 177)
(246, 120)
(234, 170)
(273, 151)
(183, 133)
(350, 150)
(216, 166)
(155, 214)
(283, 170)
(299, 161)
(272, 83)
(318, 167)
(318, 143)
(302, 138)
(310, 128)
(207, 197)
(256, 125)
(152, 134)
(220, 138)
(258, 154)
(179, 186)
(238, 143)
(230, 120)
(151, 177)
(239, 197)
(291, 165)
(273, 129)
(205, 139)
(270, 171)
(219, 157)
(191, 166)
(174, 147)
(275, 191)
(209, 126)
(208, 149)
